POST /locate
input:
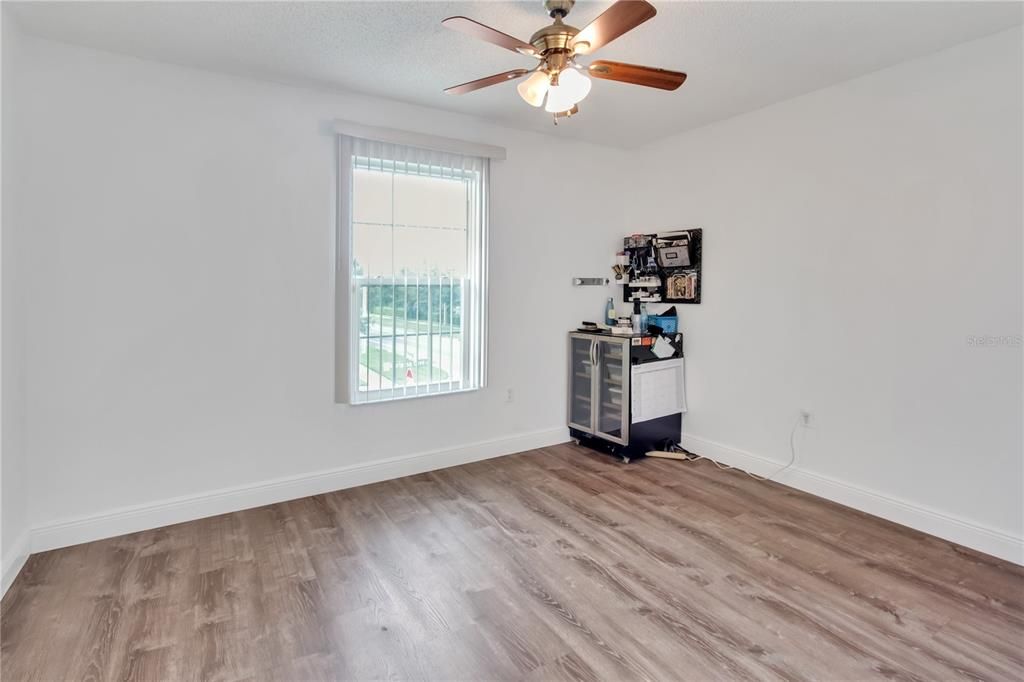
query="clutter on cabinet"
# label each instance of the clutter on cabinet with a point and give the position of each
(661, 267)
(667, 322)
(623, 326)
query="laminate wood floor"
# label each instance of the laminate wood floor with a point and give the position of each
(555, 564)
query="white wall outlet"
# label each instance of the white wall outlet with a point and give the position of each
(510, 396)
(805, 418)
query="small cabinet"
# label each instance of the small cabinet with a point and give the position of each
(624, 399)
(599, 386)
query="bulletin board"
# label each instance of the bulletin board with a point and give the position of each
(669, 261)
(681, 283)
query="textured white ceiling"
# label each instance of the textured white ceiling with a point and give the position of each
(739, 55)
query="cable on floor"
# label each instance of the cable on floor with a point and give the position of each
(693, 457)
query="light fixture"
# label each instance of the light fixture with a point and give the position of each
(534, 88)
(578, 84)
(572, 88)
(558, 99)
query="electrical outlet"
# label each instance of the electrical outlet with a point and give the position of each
(805, 418)
(509, 395)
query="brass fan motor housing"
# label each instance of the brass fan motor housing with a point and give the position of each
(557, 36)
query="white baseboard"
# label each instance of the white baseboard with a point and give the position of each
(13, 561)
(982, 538)
(187, 508)
(177, 510)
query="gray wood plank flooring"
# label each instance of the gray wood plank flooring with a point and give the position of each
(554, 564)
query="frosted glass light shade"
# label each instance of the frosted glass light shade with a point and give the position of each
(534, 88)
(576, 82)
(572, 88)
(558, 99)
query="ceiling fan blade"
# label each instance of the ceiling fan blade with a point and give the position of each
(491, 35)
(638, 75)
(623, 16)
(484, 82)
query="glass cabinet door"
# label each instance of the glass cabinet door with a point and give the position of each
(612, 390)
(581, 371)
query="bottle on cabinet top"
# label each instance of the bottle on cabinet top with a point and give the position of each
(609, 312)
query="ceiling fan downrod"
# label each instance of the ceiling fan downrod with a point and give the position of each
(558, 9)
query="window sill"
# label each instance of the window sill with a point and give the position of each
(398, 398)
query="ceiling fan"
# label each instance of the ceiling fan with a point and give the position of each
(558, 78)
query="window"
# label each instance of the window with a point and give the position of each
(414, 227)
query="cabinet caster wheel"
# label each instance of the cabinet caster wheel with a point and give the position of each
(625, 460)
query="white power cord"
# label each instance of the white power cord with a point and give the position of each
(692, 457)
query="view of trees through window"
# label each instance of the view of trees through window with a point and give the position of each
(409, 266)
(410, 333)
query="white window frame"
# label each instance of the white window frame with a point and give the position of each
(474, 294)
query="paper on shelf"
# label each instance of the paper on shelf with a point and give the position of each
(663, 349)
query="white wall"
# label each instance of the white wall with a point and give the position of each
(13, 474)
(855, 238)
(179, 267)
(176, 257)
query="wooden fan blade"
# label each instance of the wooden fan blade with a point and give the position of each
(484, 82)
(623, 16)
(638, 75)
(491, 35)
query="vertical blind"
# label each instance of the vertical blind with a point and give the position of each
(412, 260)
